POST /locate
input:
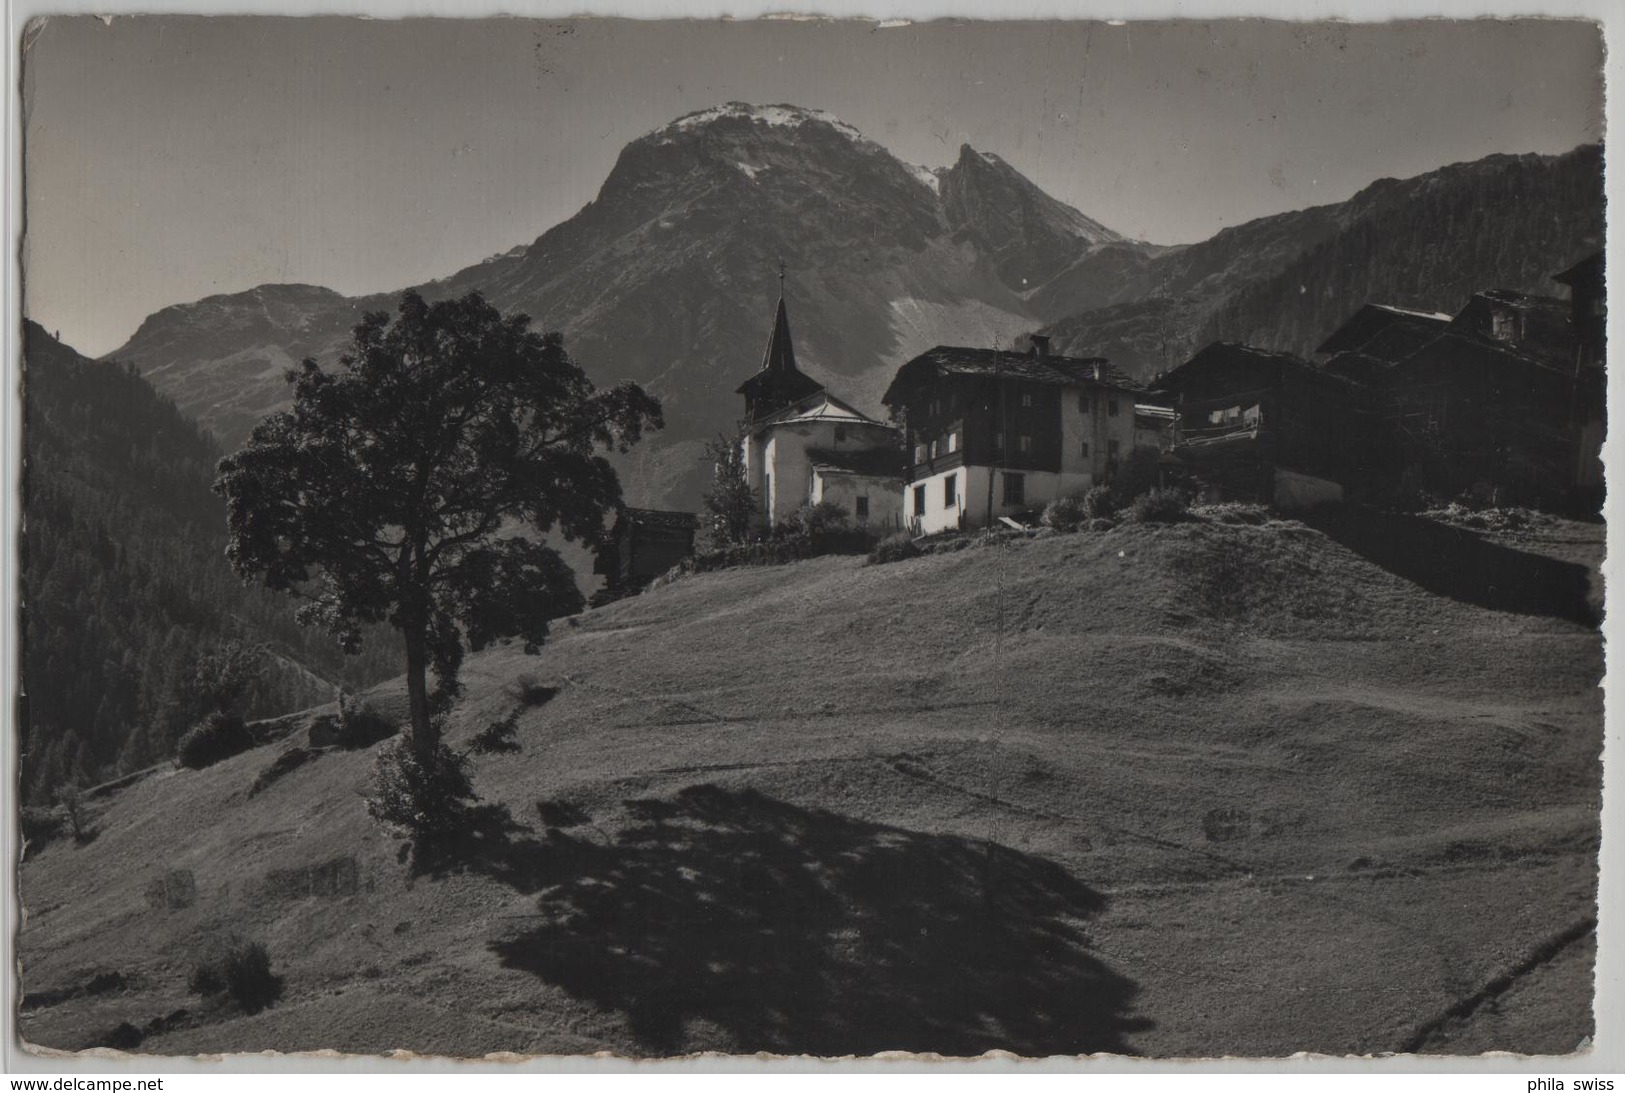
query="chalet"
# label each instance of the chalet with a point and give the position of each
(643, 544)
(1254, 424)
(1496, 396)
(990, 433)
(802, 445)
(1378, 335)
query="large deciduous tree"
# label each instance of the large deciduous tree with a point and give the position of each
(405, 486)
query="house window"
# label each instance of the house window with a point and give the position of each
(1085, 404)
(933, 449)
(953, 442)
(998, 442)
(1026, 443)
(1026, 400)
(950, 492)
(1015, 489)
(919, 453)
(1085, 452)
(1111, 407)
(919, 500)
(860, 508)
(1112, 448)
(840, 433)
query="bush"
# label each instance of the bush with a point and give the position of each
(825, 516)
(220, 736)
(416, 799)
(1161, 506)
(1137, 474)
(1098, 503)
(894, 548)
(360, 723)
(1064, 514)
(241, 969)
(497, 738)
(1233, 512)
(40, 825)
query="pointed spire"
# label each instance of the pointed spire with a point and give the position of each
(781, 354)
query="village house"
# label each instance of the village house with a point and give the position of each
(1257, 425)
(990, 433)
(802, 445)
(1506, 396)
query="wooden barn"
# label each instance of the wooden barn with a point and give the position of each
(643, 544)
(1506, 397)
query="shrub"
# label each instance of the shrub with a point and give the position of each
(241, 969)
(815, 520)
(497, 738)
(73, 805)
(894, 548)
(219, 736)
(1233, 512)
(1136, 475)
(40, 825)
(1098, 504)
(1064, 514)
(417, 799)
(360, 723)
(1161, 506)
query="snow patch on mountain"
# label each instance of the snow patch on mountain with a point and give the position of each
(926, 177)
(780, 115)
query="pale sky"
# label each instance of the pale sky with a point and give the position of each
(170, 158)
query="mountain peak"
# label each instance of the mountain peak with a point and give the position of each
(777, 115)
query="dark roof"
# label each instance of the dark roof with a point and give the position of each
(1525, 301)
(875, 463)
(1398, 329)
(1218, 355)
(954, 360)
(1587, 269)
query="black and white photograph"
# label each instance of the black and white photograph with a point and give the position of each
(809, 537)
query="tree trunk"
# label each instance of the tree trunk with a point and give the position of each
(424, 737)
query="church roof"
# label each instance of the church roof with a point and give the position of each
(818, 406)
(779, 369)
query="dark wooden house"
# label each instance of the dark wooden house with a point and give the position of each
(1254, 424)
(1496, 399)
(642, 545)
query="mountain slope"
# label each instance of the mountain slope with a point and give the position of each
(125, 581)
(1088, 792)
(1287, 281)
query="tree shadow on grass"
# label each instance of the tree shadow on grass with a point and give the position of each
(1454, 562)
(733, 921)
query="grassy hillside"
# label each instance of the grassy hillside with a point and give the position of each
(1176, 791)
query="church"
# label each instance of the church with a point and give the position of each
(802, 445)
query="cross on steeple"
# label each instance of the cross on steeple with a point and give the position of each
(781, 278)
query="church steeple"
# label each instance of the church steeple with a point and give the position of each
(781, 354)
(778, 383)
